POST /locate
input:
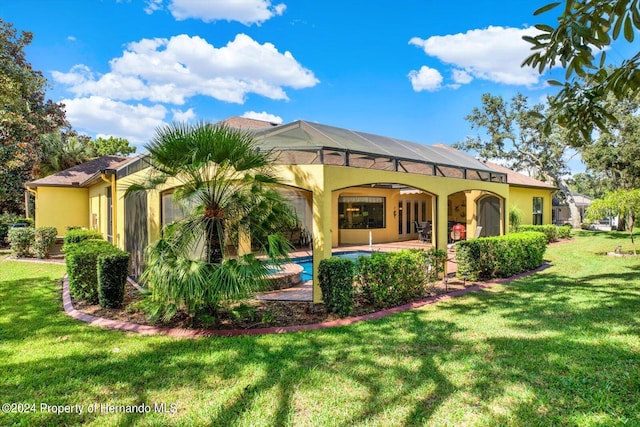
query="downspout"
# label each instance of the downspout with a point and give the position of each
(109, 176)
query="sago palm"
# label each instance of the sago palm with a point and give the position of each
(227, 191)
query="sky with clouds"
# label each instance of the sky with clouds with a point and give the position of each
(411, 70)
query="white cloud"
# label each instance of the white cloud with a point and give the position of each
(271, 118)
(493, 54)
(172, 70)
(247, 12)
(183, 116)
(99, 115)
(461, 77)
(426, 78)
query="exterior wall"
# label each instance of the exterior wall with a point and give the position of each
(522, 199)
(62, 207)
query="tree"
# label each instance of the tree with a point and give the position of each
(24, 115)
(623, 203)
(226, 189)
(616, 152)
(594, 185)
(61, 150)
(584, 31)
(515, 137)
(111, 146)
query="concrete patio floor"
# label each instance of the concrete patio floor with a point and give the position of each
(304, 291)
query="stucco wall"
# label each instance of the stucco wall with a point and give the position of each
(522, 199)
(62, 207)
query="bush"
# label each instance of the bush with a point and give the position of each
(336, 277)
(82, 261)
(501, 256)
(77, 235)
(550, 230)
(21, 240)
(44, 240)
(112, 278)
(4, 230)
(564, 231)
(393, 278)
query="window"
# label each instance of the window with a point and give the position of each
(537, 211)
(361, 212)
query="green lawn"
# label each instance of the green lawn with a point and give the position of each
(561, 347)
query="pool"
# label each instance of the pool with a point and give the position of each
(307, 262)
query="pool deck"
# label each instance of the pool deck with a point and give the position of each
(304, 291)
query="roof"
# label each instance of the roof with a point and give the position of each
(517, 179)
(302, 134)
(81, 175)
(246, 123)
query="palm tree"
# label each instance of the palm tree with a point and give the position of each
(226, 189)
(61, 150)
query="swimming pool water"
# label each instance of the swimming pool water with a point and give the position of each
(307, 262)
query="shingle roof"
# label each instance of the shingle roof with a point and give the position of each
(81, 175)
(246, 123)
(518, 179)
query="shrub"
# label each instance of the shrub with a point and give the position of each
(4, 230)
(437, 259)
(550, 230)
(81, 260)
(112, 278)
(501, 256)
(564, 231)
(392, 278)
(336, 277)
(21, 240)
(44, 240)
(77, 235)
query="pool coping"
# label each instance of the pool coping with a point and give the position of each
(202, 333)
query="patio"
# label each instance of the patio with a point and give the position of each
(304, 291)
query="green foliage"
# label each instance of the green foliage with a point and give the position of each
(44, 240)
(77, 235)
(515, 218)
(336, 276)
(21, 240)
(23, 117)
(502, 256)
(564, 231)
(228, 189)
(82, 267)
(4, 230)
(584, 31)
(112, 278)
(388, 279)
(111, 146)
(549, 230)
(623, 203)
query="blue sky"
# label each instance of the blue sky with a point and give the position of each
(410, 69)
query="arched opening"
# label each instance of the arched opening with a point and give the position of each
(489, 218)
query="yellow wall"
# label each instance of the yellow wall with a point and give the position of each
(62, 207)
(98, 208)
(522, 199)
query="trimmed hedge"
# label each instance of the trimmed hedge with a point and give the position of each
(336, 277)
(4, 230)
(549, 230)
(44, 240)
(77, 235)
(564, 231)
(20, 240)
(501, 256)
(112, 278)
(82, 267)
(388, 279)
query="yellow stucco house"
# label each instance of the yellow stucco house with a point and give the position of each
(347, 188)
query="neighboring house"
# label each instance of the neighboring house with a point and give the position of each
(347, 187)
(562, 215)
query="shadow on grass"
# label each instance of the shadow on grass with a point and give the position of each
(547, 349)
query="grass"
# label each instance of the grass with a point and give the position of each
(561, 347)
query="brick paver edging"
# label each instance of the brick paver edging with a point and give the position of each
(198, 333)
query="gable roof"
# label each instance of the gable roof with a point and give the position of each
(302, 134)
(81, 175)
(519, 180)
